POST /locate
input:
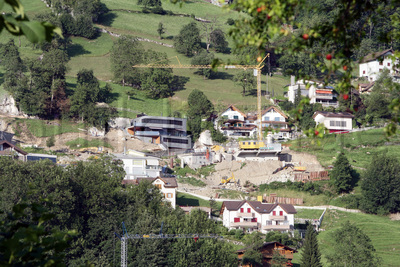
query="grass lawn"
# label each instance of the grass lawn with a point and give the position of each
(40, 128)
(308, 213)
(82, 143)
(359, 147)
(383, 232)
(191, 181)
(183, 199)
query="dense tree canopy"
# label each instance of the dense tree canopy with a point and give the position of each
(343, 177)
(380, 185)
(90, 198)
(310, 255)
(126, 52)
(352, 247)
(188, 41)
(199, 107)
(246, 80)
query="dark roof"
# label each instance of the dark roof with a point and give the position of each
(364, 87)
(333, 115)
(267, 244)
(375, 55)
(14, 147)
(258, 206)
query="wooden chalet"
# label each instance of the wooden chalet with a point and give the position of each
(10, 150)
(267, 250)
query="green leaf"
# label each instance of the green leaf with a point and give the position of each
(34, 31)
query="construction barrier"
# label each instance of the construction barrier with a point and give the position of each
(311, 176)
(272, 198)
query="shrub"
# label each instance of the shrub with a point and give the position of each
(230, 21)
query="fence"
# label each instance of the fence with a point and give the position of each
(282, 200)
(311, 176)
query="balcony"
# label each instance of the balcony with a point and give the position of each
(245, 214)
(147, 133)
(277, 218)
(324, 96)
(276, 227)
(244, 224)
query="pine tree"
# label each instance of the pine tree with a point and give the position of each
(311, 257)
(343, 176)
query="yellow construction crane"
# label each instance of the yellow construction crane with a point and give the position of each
(256, 68)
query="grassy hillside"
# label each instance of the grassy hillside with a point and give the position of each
(125, 17)
(359, 147)
(383, 232)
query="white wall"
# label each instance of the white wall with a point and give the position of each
(231, 114)
(169, 193)
(337, 122)
(372, 69)
(272, 115)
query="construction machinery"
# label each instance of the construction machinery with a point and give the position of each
(226, 180)
(283, 168)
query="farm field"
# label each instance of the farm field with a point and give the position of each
(95, 55)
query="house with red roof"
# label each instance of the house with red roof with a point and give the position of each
(258, 216)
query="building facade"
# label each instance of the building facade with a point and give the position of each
(137, 164)
(258, 216)
(273, 118)
(339, 122)
(166, 131)
(373, 64)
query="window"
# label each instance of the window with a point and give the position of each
(266, 118)
(281, 213)
(380, 70)
(274, 213)
(363, 71)
(241, 210)
(248, 210)
(381, 63)
(169, 195)
(277, 119)
(268, 223)
(388, 64)
(338, 123)
(235, 117)
(158, 186)
(254, 220)
(236, 219)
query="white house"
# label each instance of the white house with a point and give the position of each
(373, 64)
(274, 118)
(299, 85)
(233, 113)
(335, 122)
(235, 124)
(323, 95)
(167, 186)
(137, 164)
(258, 216)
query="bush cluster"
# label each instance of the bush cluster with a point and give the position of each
(314, 188)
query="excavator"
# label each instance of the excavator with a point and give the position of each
(226, 180)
